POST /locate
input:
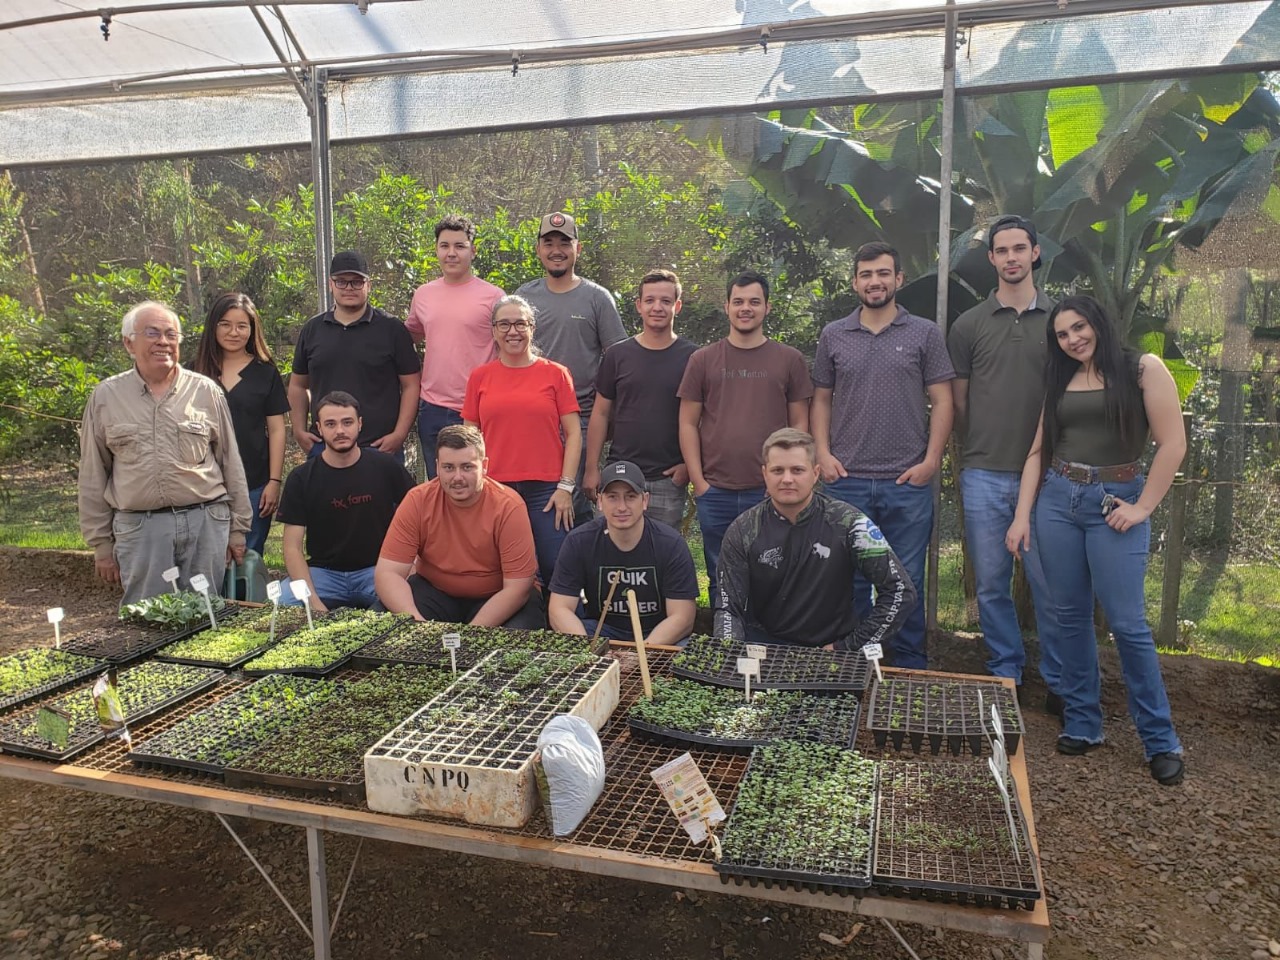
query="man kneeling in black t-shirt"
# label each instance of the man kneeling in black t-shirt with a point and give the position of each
(643, 555)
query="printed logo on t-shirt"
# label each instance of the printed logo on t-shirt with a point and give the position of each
(741, 374)
(643, 580)
(351, 500)
(771, 557)
(822, 550)
(868, 539)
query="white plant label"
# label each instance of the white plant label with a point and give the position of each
(749, 667)
(758, 651)
(200, 583)
(691, 800)
(998, 764)
(302, 592)
(452, 641)
(55, 615)
(170, 577)
(274, 590)
(875, 653)
(273, 594)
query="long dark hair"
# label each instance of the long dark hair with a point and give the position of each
(1117, 365)
(208, 354)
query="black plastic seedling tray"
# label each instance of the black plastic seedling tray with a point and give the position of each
(853, 880)
(87, 734)
(942, 834)
(934, 713)
(390, 627)
(348, 791)
(282, 631)
(126, 642)
(421, 643)
(714, 660)
(81, 667)
(234, 726)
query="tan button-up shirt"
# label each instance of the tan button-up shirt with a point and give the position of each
(140, 452)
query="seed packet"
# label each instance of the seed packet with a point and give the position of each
(110, 712)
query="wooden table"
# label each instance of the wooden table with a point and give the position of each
(317, 818)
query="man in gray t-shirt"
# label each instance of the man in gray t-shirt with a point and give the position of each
(577, 322)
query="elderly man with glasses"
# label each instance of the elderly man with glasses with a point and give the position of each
(355, 348)
(161, 482)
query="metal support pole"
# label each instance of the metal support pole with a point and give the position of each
(944, 274)
(321, 180)
(319, 893)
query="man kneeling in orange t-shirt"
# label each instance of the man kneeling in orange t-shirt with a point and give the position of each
(460, 549)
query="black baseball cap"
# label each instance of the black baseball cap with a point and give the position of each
(349, 261)
(1013, 221)
(623, 471)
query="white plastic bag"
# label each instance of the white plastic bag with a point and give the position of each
(572, 764)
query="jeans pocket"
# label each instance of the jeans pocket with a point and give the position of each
(125, 525)
(219, 512)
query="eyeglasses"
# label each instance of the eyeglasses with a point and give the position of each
(168, 336)
(355, 284)
(519, 326)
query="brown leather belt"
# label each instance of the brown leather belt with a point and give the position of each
(1084, 473)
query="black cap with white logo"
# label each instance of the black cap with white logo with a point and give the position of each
(623, 471)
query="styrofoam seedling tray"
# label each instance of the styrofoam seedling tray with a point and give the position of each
(469, 752)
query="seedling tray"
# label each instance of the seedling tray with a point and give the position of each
(126, 642)
(145, 690)
(687, 712)
(804, 817)
(323, 754)
(422, 643)
(714, 660)
(319, 652)
(469, 752)
(942, 833)
(186, 650)
(30, 674)
(209, 741)
(933, 713)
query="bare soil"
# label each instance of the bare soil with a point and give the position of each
(1131, 868)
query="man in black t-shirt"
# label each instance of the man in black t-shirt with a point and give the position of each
(643, 555)
(636, 395)
(342, 502)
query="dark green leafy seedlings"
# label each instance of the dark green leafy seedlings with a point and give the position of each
(803, 808)
(171, 610)
(143, 689)
(422, 643)
(330, 744)
(328, 644)
(27, 672)
(716, 713)
(218, 735)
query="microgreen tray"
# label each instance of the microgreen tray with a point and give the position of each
(126, 642)
(423, 643)
(229, 647)
(144, 690)
(214, 738)
(942, 833)
(804, 817)
(687, 712)
(714, 660)
(919, 713)
(319, 652)
(29, 674)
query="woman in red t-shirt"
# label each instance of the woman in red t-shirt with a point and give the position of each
(528, 412)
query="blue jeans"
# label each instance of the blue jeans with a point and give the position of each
(337, 588)
(584, 511)
(433, 418)
(1082, 557)
(990, 498)
(717, 508)
(904, 514)
(546, 538)
(256, 538)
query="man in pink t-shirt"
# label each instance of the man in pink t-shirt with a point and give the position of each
(452, 315)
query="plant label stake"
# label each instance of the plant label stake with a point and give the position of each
(758, 651)
(200, 583)
(451, 643)
(55, 616)
(690, 799)
(998, 764)
(749, 667)
(634, 606)
(875, 653)
(303, 592)
(170, 577)
(273, 594)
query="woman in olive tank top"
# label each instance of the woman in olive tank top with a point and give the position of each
(1084, 495)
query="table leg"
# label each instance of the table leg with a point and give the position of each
(319, 893)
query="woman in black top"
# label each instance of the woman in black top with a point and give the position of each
(233, 352)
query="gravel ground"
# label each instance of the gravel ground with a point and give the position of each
(1131, 869)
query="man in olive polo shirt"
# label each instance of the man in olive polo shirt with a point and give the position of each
(998, 349)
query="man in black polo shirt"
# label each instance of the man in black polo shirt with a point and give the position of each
(341, 501)
(362, 351)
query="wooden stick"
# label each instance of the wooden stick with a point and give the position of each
(608, 601)
(634, 605)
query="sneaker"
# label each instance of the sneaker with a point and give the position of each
(1167, 769)
(1075, 747)
(1055, 706)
